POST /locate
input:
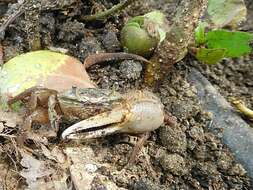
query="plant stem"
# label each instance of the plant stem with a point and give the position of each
(107, 13)
(175, 46)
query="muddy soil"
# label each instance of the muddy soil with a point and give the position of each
(185, 155)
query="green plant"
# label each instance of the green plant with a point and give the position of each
(142, 34)
(214, 45)
(212, 42)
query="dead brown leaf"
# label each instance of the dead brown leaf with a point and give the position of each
(8, 177)
(42, 174)
(55, 154)
(34, 168)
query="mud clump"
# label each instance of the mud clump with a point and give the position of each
(174, 164)
(173, 138)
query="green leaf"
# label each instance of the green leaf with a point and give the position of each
(155, 16)
(142, 34)
(210, 56)
(235, 43)
(134, 24)
(155, 23)
(137, 19)
(226, 12)
(200, 34)
(16, 106)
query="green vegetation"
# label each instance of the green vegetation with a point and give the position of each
(214, 45)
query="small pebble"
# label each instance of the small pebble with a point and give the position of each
(90, 168)
(111, 42)
(130, 69)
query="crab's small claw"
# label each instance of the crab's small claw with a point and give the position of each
(141, 111)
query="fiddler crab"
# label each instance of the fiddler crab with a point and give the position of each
(92, 112)
(95, 112)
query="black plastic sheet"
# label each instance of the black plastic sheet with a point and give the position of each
(226, 123)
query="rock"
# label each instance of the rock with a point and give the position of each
(130, 69)
(71, 31)
(224, 162)
(89, 46)
(110, 41)
(184, 109)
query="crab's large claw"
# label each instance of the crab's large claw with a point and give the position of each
(141, 111)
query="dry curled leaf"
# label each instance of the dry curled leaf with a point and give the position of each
(40, 175)
(33, 168)
(55, 154)
(42, 68)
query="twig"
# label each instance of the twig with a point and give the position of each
(9, 20)
(1, 55)
(13, 161)
(3, 27)
(102, 57)
(9, 156)
(107, 13)
(5, 135)
(14, 143)
(137, 148)
(242, 108)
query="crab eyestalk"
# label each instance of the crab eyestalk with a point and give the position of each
(139, 112)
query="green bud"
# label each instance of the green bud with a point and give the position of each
(142, 34)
